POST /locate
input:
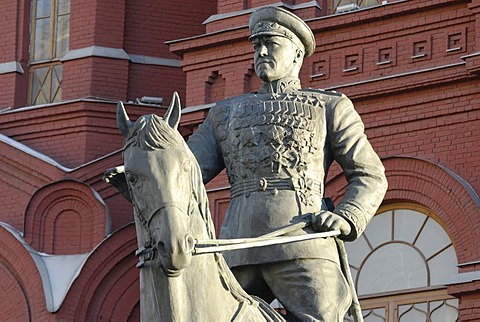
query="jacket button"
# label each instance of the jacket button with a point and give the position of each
(262, 184)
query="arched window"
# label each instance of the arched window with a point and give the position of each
(400, 265)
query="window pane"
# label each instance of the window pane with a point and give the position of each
(56, 95)
(376, 315)
(63, 35)
(42, 40)
(43, 8)
(63, 7)
(35, 88)
(47, 86)
(357, 251)
(44, 76)
(41, 96)
(339, 3)
(41, 74)
(443, 266)
(432, 238)
(40, 99)
(392, 267)
(379, 229)
(444, 311)
(368, 3)
(407, 224)
(413, 313)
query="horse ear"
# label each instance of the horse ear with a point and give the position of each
(123, 122)
(172, 115)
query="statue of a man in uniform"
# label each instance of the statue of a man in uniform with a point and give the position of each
(277, 146)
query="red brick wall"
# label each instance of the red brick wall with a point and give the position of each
(159, 81)
(149, 24)
(14, 17)
(94, 22)
(95, 77)
(7, 94)
(421, 115)
(21, 290)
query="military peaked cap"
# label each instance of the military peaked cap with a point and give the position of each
(274, 21)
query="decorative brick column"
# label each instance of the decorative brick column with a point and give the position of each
(473, 60)
(96, 64)
(15, 20)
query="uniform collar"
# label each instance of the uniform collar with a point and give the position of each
(284, 85)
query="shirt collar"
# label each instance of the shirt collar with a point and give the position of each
(284, 85)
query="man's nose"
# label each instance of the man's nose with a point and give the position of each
(263, 51)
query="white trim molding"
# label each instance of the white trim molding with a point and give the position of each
(220, 16)
(96, 51)
(118, 53)
(11, 67)
(158, 61)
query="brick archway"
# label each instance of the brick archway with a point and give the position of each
(65, 217)
(21, 290)
(108, 287)
(437, 188)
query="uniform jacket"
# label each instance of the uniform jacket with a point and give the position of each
(277, 146)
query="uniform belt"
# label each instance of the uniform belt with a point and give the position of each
(274, 184)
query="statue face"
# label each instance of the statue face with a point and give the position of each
(274, 58)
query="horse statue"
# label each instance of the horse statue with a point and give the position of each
(171, 213)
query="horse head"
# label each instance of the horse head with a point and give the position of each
(158, 171)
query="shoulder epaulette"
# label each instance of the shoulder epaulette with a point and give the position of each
(322, 91)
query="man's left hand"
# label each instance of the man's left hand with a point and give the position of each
(326, 220)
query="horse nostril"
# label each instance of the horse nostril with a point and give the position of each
(162, 250)
(189, 243)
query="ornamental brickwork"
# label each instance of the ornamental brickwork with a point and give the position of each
(411, 69)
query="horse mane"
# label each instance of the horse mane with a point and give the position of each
(151, 133)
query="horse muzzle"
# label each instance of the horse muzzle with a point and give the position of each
(176, 256)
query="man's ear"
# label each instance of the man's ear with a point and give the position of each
(298, 56)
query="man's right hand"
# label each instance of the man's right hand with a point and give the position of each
(327, 220)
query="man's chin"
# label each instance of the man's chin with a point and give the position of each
(265, 76)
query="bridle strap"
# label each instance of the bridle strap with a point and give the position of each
(165, 205)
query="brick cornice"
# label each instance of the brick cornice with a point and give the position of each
(213, 39)
(403, 81)
(181, 46)
(474, 5)
(472, 62)
(382, 12)
(470, 285)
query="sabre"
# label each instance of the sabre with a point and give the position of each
(220, 245)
